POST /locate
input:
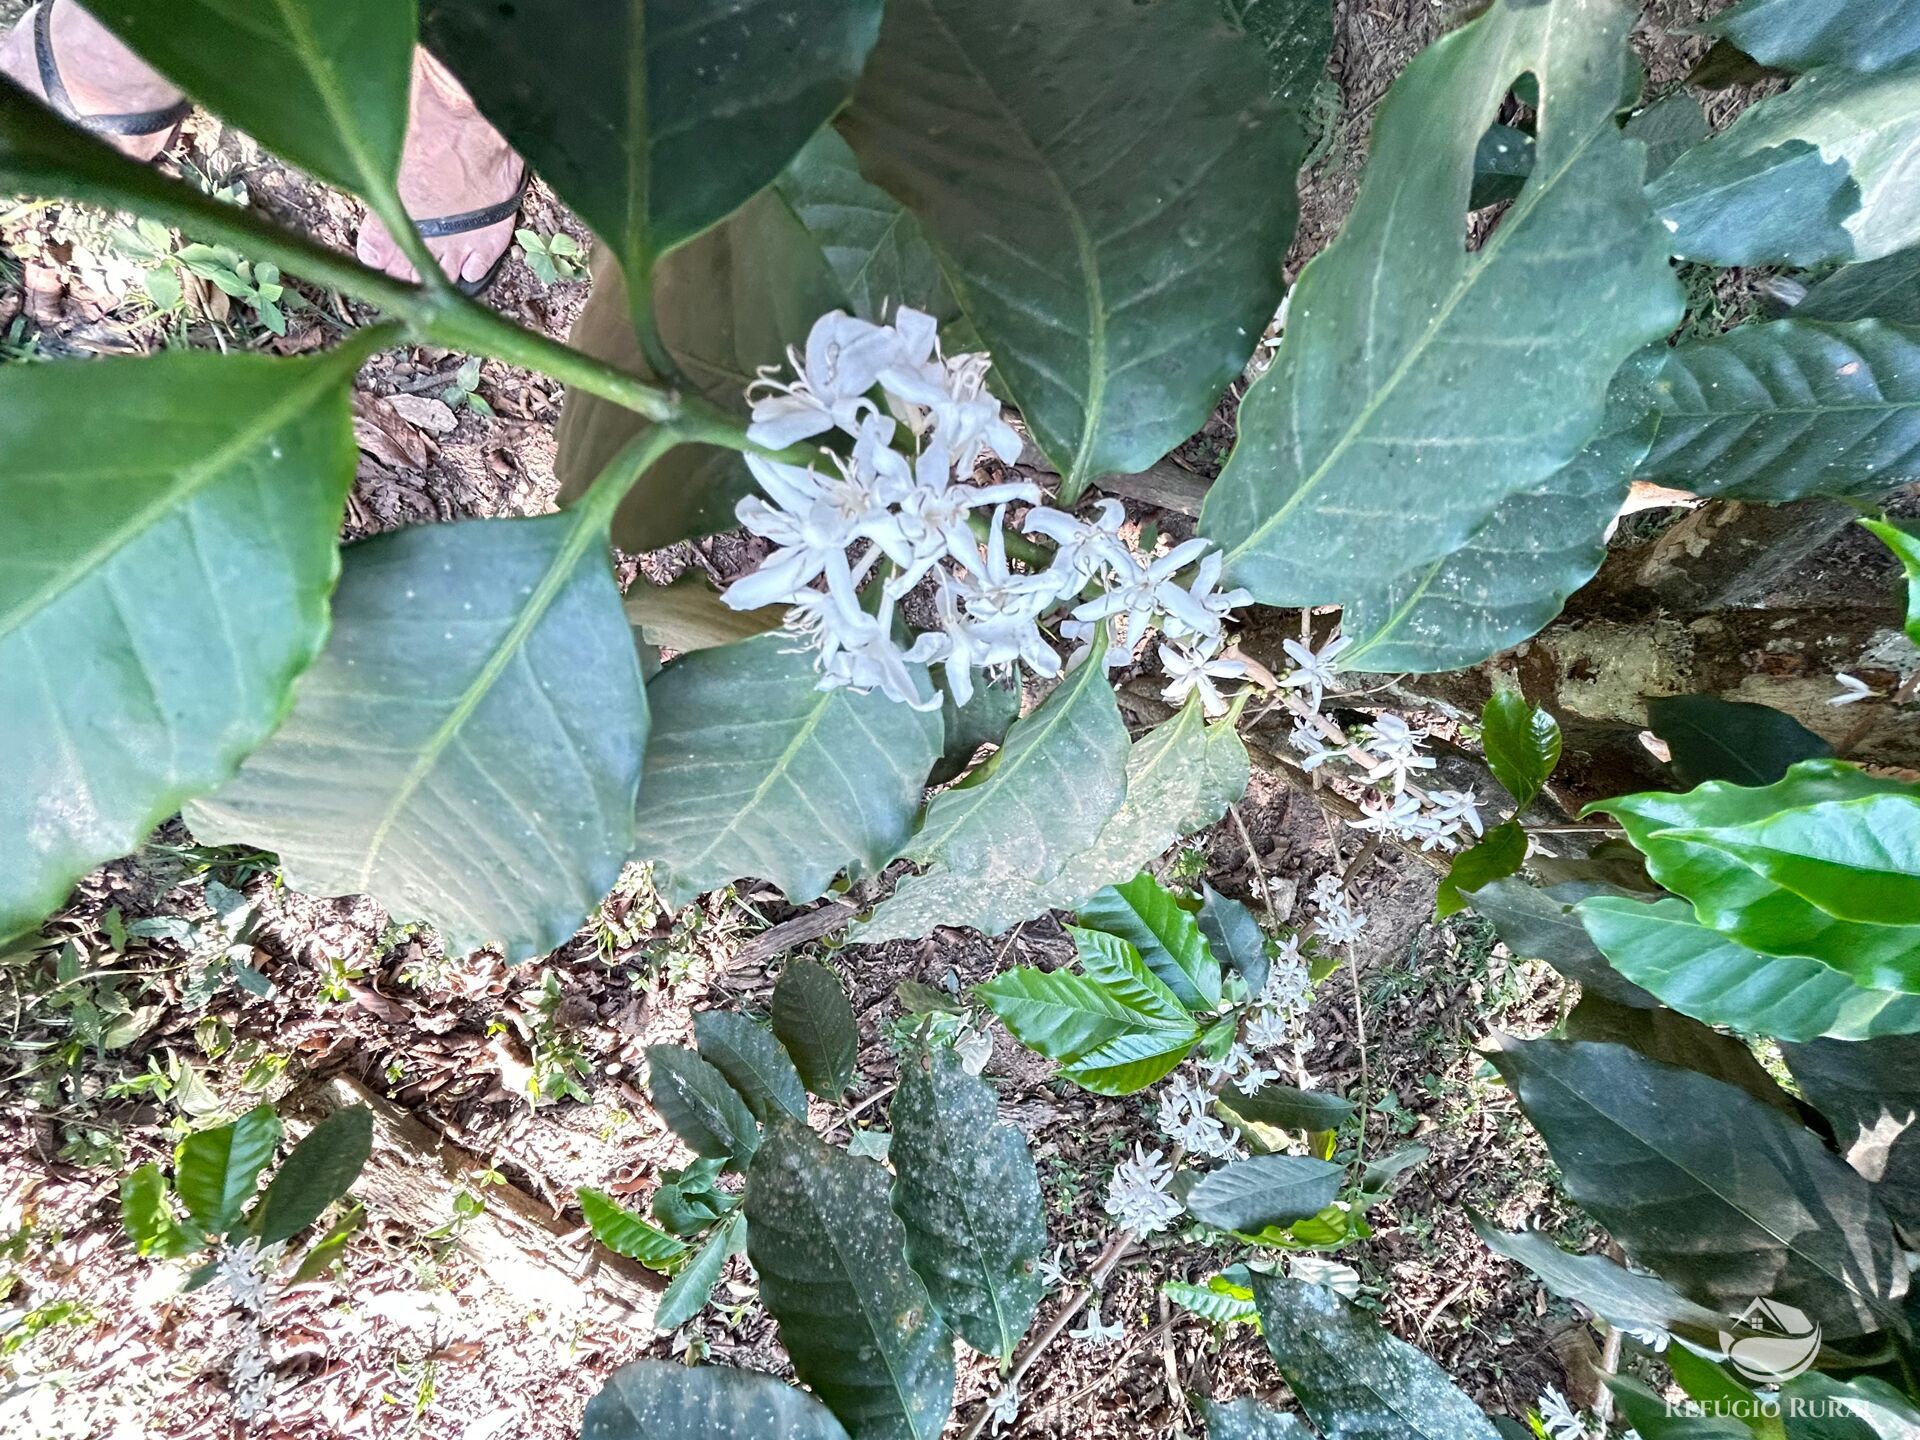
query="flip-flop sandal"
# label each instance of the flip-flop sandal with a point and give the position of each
(136, 123)
(469, 220)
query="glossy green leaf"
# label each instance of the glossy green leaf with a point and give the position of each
(1855, 859)
(1249, 1195)
(1743, 904)
(317, 1171)
(1246, 1419)
(1819, 173)
(1234, 936)
(1621, 1297)
(753, 1061)
(1218, 1301)
(1057, 780)
(983, 720)
(223, 492)
(1499, 853)
(1355, 1380)
(661, 117)
(814, 1021)
(1904, 541)
(966, 1188)
(216, 1169)
(628, 1234)
(1063, 1016)
(1289, 1108)
(1887, 289)
(1870, 1091)
(665, 1400)
(146, 1214)
(1714, 739)
(754, 771)
(687, 1201)
(1419, 384)
(687, 1295)
(700, 1106)
(1116, 964)
(1701, 973)
(1538, 926)
(442, 755)
(1150, 918)
(1501, 165)
(1793, 408)
(1130, 1063)
(1113, 234)
(1522, 743)
(1768, 1211)
(1513, 575)
(1675, 1039)
(322, 82)
(832, 1260)
(1864, 35)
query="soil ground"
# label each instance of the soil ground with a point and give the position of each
(411, 1339)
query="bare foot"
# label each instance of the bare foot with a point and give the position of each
(455, 162)
(102, 76)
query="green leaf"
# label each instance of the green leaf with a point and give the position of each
(700, 1106)
(1877, 1410)
(983, 720)
(1249, 1195)
(146, 1214)
(1657, 1419)
(1114, 963)
(1855, 859)
(753, 1061)
(1669, 127)
(687, 1294)
(1887, 289)
(1621, 1297)
(1419, 384)
(1234, 936)
(855, 1319)
(1112, 235)
(1813, 175)
(1522, 744)
(224, 493)
(1794, 408)
(216, 1170)
(1701, 973)
(317, 1171)
(1870, 1091)
(1661, 1034)
(1219, 1305)
(330, 1246)
(1064, 1016)
(1770, 1211)
(1501, 165)
(1149, 918)
(628, 1234)
(1297, 36)
(814, 1021)
(665, 1400)
(1536, 925)
(1058, 779)
(1516, 571)
(1743, 904)
(966, 1188)
(1500, 852)
(1714, 739)
(662, 117)
(1904, 541)
(1130, 1063)
(687, 1202)
(323, 83)
(1288, 1108)
(1248, 1419)
(1354, 1380)
(1803, 34)
(442, 755)
(753, 770)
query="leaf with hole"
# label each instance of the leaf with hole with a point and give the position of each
(1538, 925)
(1360, 451)
(966, 1188)
(814, 1021)
(1869, 1091)
(855, 1319)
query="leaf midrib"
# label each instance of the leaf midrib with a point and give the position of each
(378, 181)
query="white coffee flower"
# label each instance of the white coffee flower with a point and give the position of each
(1205, 599)
(1191, 670)
(1004, 1407)
(1396, 751)
(1314, 670)
(1312, 745)
(1852, 690)
(843, 361)
(1138, 1196)
(1456, 810)
(1141, 590)
(1338, 921)
(1093, 1332)
(1083, 548)
(1559, 1418)
(1186, 1116)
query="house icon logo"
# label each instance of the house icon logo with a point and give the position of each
(1781, 1343)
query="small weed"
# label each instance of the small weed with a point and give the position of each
(552, 258)
(463, 393)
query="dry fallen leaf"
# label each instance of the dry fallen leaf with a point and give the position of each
(425, 413)
(379, 430)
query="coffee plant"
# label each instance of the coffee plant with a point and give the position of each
(857, 259)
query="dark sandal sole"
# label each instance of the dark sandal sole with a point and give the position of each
(467, 221)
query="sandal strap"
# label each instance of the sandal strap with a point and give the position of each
(139, 122)
(466, 220)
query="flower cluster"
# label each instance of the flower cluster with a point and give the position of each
(911, 424)
(1186, 1115)
(1333, 913)
(244, 1269)
(1139, 1197)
